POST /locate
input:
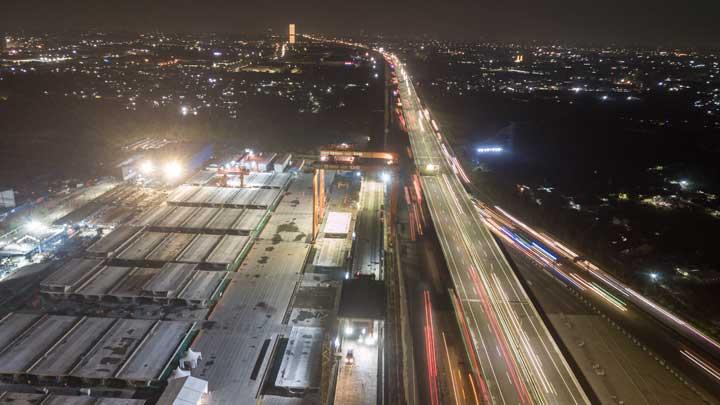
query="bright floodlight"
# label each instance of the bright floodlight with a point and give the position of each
(653, 276)
(35, 226)
(172, 170)
(385, 177)
(490, 149)
(349, 330)
(147, 167)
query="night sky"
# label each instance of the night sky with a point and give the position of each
(677, 22)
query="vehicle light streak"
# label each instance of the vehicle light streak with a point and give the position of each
(460, 171)
(544, 251)
(471, 353)
(538, 253)
(712, 371)
(675, 319)
(601, 292)
(416, 219)
(520, 386)
(617, 286)
(528, 356)
(430, 351)
(509, 237)
(412, 227)
(450, 368)
(475, 394)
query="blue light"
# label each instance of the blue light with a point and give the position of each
(545, 252)
(490, 149)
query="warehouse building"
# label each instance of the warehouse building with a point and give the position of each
(173, 283)
(25, 398)
(89, 350)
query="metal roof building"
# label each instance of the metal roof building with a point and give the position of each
(187, 390)
(97, 351)
(174, 283)
(25, 398)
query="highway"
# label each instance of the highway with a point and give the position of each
(677, 341)
(512, 353)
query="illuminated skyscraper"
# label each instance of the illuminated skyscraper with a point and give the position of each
(291, 34)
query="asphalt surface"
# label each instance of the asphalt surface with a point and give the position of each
(515, 355)
(668, 341)
(633, 375)
(425, 271)
(369, 236)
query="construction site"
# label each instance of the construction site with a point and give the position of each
(229, 276)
